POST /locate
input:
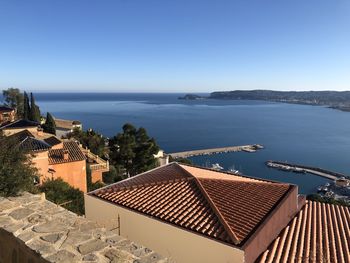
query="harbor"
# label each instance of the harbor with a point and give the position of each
(246, 148)
(288, 167)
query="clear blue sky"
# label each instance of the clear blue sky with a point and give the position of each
(174, 45)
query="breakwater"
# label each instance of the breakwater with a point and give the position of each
(247, 148)
(297, 168)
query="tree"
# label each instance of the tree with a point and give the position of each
(16, 171)
(61, 193)
(90, 139)
(26, 107)
(50, 125)
(133, 150)
(14, 98)
(34, 114)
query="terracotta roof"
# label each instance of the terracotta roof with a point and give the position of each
(74, 153)
(319, 233)
(217, 205)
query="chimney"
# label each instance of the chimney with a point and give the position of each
(65, 154)
(40, 131)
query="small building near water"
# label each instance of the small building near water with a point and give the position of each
(7, 114)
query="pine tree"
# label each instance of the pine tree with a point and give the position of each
(50, 125)
(34, 110)
(26, 107)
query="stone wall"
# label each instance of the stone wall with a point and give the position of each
(33, 229)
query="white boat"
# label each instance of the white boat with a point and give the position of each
(217, 166)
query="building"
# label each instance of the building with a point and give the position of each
(319, 233)
(18, 126)
(63, 127)
(161, 157)
(55, 158)
(193, 214)
(7, 114)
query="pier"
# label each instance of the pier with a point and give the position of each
(288, 167)
(247, 148)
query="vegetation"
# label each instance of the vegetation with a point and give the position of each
(115, 174)
(90, 185)
(26, 107)
(49, 125)
(34, 112)
(14, 98)
(180, 160)
(327, 200)
(133, 150)
(63, 194)
(16, 171)
(90, 139)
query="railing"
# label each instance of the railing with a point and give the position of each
(100, 163)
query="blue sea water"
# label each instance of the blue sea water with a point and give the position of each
(308, 135)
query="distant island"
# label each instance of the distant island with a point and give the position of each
(334, 99)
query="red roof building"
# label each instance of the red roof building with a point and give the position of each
(234, 218)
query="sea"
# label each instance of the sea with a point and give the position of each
(308, 135)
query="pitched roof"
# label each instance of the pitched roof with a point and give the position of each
(218, 205)
(28, 142)
(5, 109)
(319, 233)
(32, 144)
(74, 153)
(20, 124)
(53, 140)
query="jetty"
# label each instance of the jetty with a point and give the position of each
(297, 168)
(246, 148)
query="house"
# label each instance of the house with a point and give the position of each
(7, 114)
(193, 214)
(18, 126)
(55, 158)
(161, 157)
(63, 127)
(318, 233)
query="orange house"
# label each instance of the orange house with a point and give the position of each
(7, 114)
(55, 158)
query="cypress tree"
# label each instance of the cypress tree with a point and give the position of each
(50, 125)
(26, 107)
(34, 110)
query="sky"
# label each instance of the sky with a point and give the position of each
(174, 46)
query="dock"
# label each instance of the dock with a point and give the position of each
(246, 148)
(296, 168)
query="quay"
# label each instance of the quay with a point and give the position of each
(247, 148)
(296, 168)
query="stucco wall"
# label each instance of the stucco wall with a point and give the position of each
(170, 241)
(41, 162)
(74, 173)
(13, 250)
(96, 176)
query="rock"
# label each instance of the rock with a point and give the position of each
(14, 227)
(36, 218)
(40, 247)
(5, 221)
(26, 236)
(75, 238)
(52, 238)
(49, 227)
(6, 204)
(21, 213)
(114, 240)
(116, 256)
(92, 246)
(90, 257)
(63, 256)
